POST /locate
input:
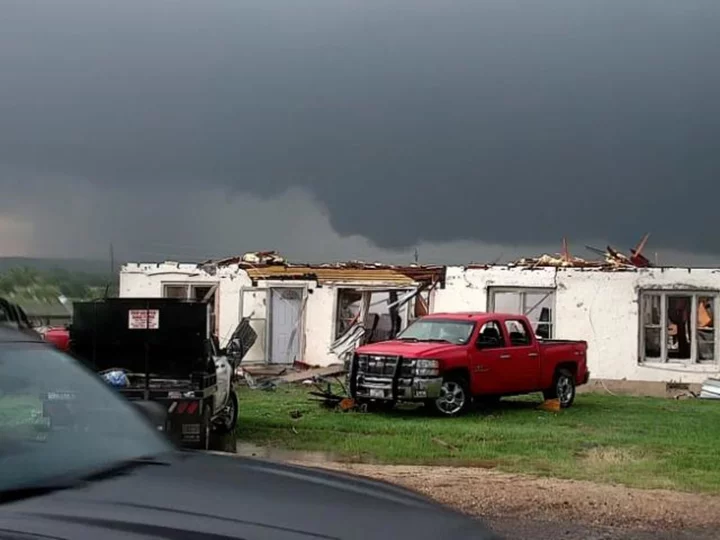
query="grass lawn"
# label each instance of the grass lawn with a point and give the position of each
(641, 442)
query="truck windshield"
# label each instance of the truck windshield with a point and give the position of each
(445, 330)
(57, 420)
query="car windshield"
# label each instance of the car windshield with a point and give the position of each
(58, 420)
(438, 330)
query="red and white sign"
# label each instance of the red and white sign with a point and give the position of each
(144, 319)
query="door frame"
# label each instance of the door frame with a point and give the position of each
(304, 298)
(241, 311)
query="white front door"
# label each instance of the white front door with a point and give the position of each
(285, 327)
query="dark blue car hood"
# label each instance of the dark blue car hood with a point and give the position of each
(211, 497)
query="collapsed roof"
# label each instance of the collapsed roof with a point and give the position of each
(270, 265)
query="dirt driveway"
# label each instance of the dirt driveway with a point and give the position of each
(528, 507)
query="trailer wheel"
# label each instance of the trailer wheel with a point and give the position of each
(230, 414)
(205, 427)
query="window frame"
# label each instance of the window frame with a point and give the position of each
(189, 288)
(522, 293)
(499, 326)
(522, 325)
(664, 295)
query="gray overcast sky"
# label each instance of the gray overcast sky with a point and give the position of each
(341, 129)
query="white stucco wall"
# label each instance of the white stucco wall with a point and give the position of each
(599, 307)
(147, 280)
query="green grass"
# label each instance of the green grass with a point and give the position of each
(641, 442)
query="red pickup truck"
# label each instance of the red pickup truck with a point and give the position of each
(448, 360)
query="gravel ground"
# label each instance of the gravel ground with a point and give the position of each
(521, 507)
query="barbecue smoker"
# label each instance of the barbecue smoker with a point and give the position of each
(161, 350)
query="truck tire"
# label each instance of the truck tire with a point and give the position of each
(205, 427)
(230, 415)
(455, 398)
(563, 388)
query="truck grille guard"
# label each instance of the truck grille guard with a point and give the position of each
(372, 379)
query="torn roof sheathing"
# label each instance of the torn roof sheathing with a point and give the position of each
(269, 265)
(339, 274)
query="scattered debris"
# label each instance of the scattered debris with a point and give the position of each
(710, 389)
(263, 257)
(550, 405)
(328, 399)
(444, 444)
(612, 258)
(347, 404)
(306, 376)
(310, 374)
(325, 395)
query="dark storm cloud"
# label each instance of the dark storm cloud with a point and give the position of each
(500, 121)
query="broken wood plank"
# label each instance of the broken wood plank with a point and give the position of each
(327, 371)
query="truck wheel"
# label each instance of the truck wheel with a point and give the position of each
(454, 397)
(230, 415)
(563, 388)
(205, 427)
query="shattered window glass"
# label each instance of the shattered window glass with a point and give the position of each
(686, 321)
(348, 310)
(678, 322)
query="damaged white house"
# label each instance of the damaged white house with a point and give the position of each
(301, 313)
(641, 324)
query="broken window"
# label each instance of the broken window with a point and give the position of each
(536, 304)
(188, 291)
(678, 326)
(386, 312)
(197, 292)
(348, 310)
(175, 291)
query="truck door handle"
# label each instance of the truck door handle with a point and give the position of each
(504, 356)
(533, 354)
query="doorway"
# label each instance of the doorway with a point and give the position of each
(285, 324)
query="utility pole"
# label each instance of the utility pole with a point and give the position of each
(112, 271)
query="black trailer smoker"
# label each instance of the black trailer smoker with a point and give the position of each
(164, 350)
